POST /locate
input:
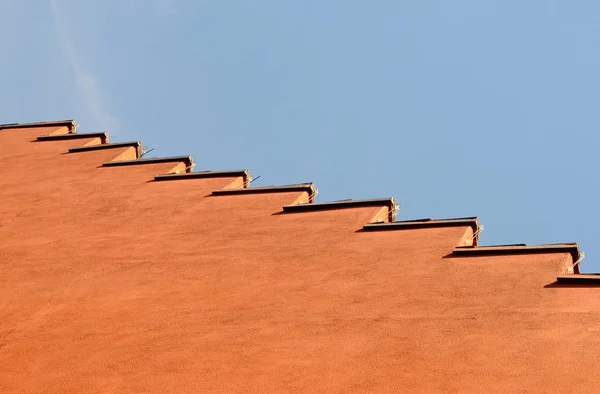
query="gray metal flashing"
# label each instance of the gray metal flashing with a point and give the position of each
(389, 202)
(472, 222)
(74, 136)
(188, 160)
(70, 123)
(204, 174)
(136, 144)
(299, 187)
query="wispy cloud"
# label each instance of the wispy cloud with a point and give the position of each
(87, 85)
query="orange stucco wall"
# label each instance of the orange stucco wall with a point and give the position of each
(110, 282)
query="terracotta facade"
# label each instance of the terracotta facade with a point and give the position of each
(111, 281)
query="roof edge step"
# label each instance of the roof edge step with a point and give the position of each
(245, 174)
(308, 187)
(74, 136)
(188, 160)
(472, 222)
(112, 145)
(389, 202)
(70, 123)
(520, 249)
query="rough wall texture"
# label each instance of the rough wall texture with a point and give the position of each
(110, 282)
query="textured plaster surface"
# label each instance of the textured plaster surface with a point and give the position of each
(110, 282)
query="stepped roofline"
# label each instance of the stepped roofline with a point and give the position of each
(136, 260)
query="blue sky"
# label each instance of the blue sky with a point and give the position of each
(456, 108)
